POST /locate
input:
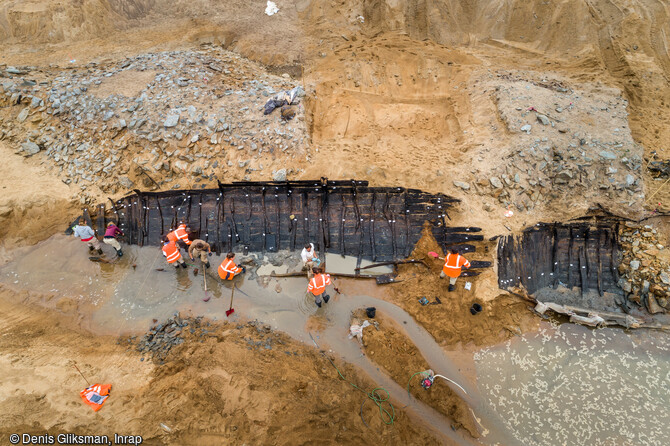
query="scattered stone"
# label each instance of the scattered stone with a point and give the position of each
(29, 148)
(462, 185)
(171, 121)
(23, 115)
(496, 183)
(279, 175)
(526, 128)
(607, 155)
(634, 265)
(543, 119)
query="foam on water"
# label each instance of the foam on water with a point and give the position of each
(570, 385)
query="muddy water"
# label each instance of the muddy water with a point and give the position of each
(568, 385)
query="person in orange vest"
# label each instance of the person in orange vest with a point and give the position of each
(228, 269)
(317, 286)
(453, 263)
(180, 234)
(172, 254)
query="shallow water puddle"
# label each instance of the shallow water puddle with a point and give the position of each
(570, 385)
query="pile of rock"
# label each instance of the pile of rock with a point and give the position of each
(560, 147)
(645, 267)
(160, 339)
(171, 114)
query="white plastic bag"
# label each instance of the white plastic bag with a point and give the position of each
(271, 9)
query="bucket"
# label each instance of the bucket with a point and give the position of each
(370, 311)
(475, 308)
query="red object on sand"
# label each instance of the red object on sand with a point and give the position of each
(433, 254)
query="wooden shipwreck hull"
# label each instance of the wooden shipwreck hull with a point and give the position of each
(582, 254)
(342, 217)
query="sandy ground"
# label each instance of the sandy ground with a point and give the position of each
(34, 203)
(212, 387)
(390, 349)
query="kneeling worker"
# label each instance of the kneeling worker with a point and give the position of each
(200, 248)
(228, 269)
(309, 259)
(172, 254)
(317, 286)
(453, 263)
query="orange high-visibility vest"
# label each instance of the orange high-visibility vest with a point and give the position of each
(453, 264)
(171, 251)
(96, 395)
(179, 234)
(318, 284)
(228, 269)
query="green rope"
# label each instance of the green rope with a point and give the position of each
(387, 417)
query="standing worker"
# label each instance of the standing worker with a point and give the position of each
(172, 254)
(228, 269)
(87, 234)
(180, 234)
(110, 237)
(317, 286)
(309, 259)
(200, 248)
(453, 263)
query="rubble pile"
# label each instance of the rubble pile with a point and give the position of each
(562, 144)
(193, 113)
(645, 267)
(160, 339)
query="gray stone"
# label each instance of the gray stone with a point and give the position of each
(108, 115)
(630, 180)
(13, 70)
(607, 155)
(634, 265)
(29, 148)
(664, 277)
(462, 185)
(171, 121)
(35, 102)
(543, 119)
(279, 175)
(526, 128)
(496, 183)
(125, 182)
(83, 147)
(625, 285)
(121, 124)
(23, 115)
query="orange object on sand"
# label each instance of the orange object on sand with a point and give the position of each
(96, 395)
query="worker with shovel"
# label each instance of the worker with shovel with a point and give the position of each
(87, 235)
(317, 286)
(453, 263)
(228, 269)
(200, 248)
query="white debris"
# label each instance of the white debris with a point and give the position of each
(271, 9)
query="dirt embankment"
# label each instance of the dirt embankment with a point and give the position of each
(387, 347)
(226, 382)
(450, 322)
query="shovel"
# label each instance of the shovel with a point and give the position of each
(231, 310)
(207, 296)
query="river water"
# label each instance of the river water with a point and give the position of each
(564, 385)
(572, 385)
